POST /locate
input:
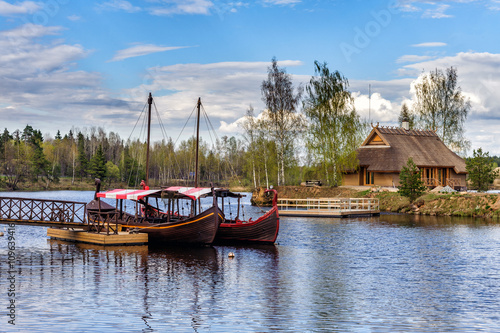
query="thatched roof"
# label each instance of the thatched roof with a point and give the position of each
(388, 149)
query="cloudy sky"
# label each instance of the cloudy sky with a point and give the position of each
(69, 63)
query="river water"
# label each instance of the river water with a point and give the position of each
(392, 273)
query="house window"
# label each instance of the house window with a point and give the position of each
(370, 176)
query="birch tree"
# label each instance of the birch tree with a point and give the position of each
(335, 128)
(282, 100)
(249, 126)
(441, 106)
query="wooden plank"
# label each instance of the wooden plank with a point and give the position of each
(122, 238)
(326, 213)
(45, 223)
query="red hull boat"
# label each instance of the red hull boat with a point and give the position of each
(263, 230)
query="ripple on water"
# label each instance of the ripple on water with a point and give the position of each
(387, 273)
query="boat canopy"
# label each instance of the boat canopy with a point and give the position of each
(177, 192)
(127, 194)
(192, 193)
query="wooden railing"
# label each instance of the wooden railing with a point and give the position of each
(42, 210)
(334, 204)
(454, 182)
(104, 222)
(451, 182)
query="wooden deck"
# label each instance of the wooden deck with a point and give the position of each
(82, 236)
(329, 207)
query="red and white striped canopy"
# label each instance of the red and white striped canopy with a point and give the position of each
(190, 192)
(127, 194)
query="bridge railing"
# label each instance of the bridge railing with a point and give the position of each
(336, 204)
(42, 210)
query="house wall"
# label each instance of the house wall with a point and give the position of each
(387, 179)
(380, 179)
(351, 179)
(461, 177)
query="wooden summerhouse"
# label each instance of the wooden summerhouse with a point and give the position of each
(387, 149)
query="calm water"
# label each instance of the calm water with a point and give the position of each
(388, 273)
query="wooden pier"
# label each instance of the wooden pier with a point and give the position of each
(67, 221)
(329, 207)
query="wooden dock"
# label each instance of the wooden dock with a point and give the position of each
(329, 207)
(82, 236)
(67, 220)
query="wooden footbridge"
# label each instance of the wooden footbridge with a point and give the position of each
(329, 207)
(67, 220)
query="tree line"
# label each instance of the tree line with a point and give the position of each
(82, 155)
(309, 132)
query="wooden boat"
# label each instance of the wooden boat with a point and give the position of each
(162, 227)
(263, 230)
(195, 227)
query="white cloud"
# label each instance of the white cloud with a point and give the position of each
(189, 7)
(413, 58)
(494, 5)
(376, 108)
(39, 84)
(119, 5)
(171, 7)
(24, 7)
(437, 12)
(282, 2)
(226, 90)
(430, 9)
(140, 50)
(29, 31)
(477, 79)
(74, 18)
(430, 44)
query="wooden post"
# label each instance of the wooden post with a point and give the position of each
(197, 143)
(150, 101)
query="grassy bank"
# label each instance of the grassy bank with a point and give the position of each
(440, 204)
(443, 204)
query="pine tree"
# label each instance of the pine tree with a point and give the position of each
(481, 170)
(410, 182)
(82, 157)
(407, 115)
(97, 165)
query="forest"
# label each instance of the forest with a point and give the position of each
(302, 134)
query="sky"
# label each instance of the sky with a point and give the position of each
(73, 64)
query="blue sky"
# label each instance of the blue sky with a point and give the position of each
(69, 63)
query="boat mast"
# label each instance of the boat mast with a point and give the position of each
(150, 101)
(197, 143)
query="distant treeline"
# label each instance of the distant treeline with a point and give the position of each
(27, 156)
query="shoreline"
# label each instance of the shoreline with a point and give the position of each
(459, 204)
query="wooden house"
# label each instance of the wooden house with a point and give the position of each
(386, 150)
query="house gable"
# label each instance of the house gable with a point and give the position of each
(375, 138)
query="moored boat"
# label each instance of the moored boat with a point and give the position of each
(263, 230)
(198, 228)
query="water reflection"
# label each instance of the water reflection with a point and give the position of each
(405, 220)
(387, 273)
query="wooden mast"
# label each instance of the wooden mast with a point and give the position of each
(197, 143)
(150, 101)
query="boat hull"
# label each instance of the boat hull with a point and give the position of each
(198, 230)
(263, 230)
